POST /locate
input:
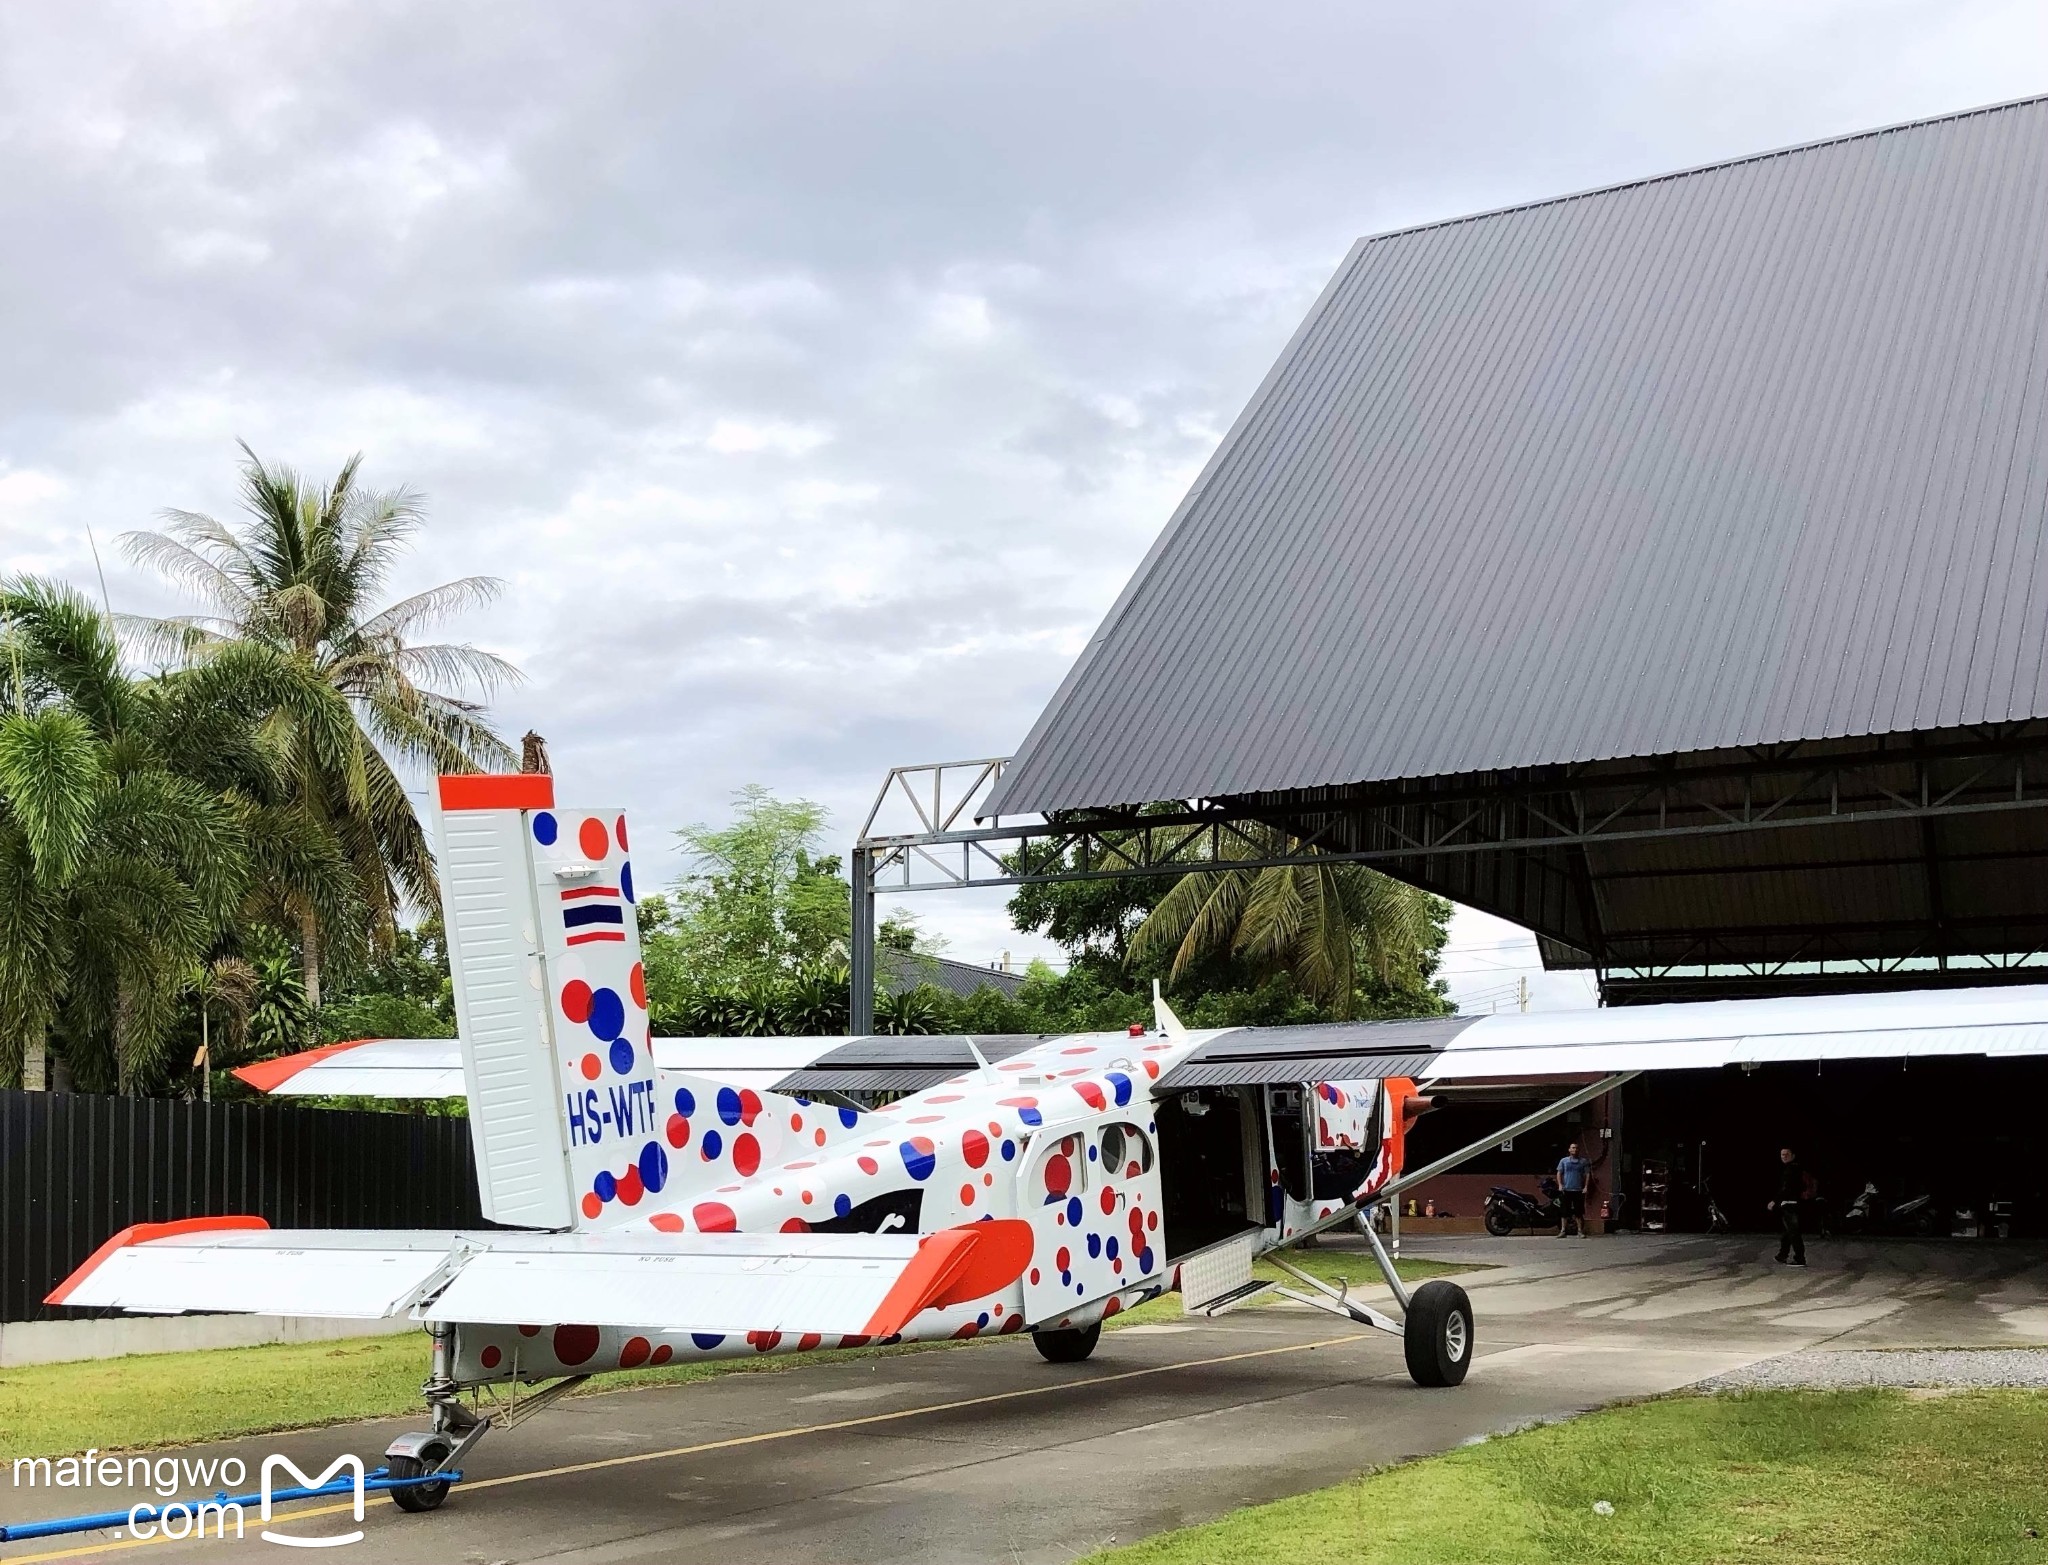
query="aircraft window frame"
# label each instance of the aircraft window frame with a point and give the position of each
(1077, 1158)
(1120, 1168)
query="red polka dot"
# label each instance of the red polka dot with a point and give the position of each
(667, 1222)
(967, 1195)
(974, 1147)
(662, 1354)
(818, 1136)
(1152, 1220)
(678, 1131)
(762, 1341)
(576, 1001)
(1111, 1308)
(595, 841)
(804, 1196)
(1117, 1266)
(795, 1225)
(746, 1154)
(1108, 1199)
(867, 1164)
(592, 1207)
(575, 1344)
(968, 1330)
(1014, 1323)
(637, 982)
(1034, 1276)
(750, 1105)
(1064, 1260)
(796, 1122)
(988, 1179)
(492, 1357)
(619, 826)
(1151, 1068)
(808, 1341)
(630, 1188)
(1091, 1094)
(592, 1067)
(714, 1217)
(635, 1353)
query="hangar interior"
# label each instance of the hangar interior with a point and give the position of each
(1659, 567)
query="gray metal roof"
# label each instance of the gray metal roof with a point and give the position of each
(901, 970)
(1344, 1052)
(1750, 453)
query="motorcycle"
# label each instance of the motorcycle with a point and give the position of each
(1921, 1216)
(1507, 1210)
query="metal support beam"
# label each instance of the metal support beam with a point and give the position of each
(860, 1009)
(1542, 1116)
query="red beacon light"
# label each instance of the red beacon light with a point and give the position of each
(1137, 1029)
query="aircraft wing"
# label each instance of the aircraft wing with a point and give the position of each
(844, 1284)
(2003, 1021)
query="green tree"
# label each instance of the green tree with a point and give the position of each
(290, 594)
(1333, 927)
(760, 902)
(118, 872)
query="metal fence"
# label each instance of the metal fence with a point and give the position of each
(75, 1169)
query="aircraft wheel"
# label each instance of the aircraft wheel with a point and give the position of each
(422, 1496)
(1437, 1336)
(1069, 1346)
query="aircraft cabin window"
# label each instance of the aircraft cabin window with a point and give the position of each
(1064, 1172)
(1126, 1151)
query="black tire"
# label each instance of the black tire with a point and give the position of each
(1437, 1336)
(1498, 1223)
(420, 1496)
(1069, 1346)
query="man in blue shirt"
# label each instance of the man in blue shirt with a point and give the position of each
(1571, 1184)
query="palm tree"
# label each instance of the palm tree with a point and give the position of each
(289, 593)
(1316, 920)
(226, 984)
(116, 872)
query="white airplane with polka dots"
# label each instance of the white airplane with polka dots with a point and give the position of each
(665, 1200)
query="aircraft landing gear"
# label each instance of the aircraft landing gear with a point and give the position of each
(1069, 1346)
(1436, 1337)
(425, 1454)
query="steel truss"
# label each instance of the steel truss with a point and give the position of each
(923, 834)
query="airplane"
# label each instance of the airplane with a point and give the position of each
(663, 1200)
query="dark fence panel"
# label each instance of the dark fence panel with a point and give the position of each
(76, 1168)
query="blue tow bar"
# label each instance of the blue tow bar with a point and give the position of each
(379, 1480)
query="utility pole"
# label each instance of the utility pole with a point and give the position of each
(1523, 984)
(860, 1010)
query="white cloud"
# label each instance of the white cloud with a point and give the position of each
(736, 437)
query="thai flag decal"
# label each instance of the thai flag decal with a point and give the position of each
(592, 913)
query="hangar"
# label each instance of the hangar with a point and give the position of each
(1659, 567)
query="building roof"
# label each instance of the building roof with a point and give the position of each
(901, 970)
(1751, 453)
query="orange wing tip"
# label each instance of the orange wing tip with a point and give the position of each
(516, 791)
(142, 1233)
(269, 1075)
(951, 1267)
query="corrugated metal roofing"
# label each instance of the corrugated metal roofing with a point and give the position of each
(1251, 1055)
(1755, 452)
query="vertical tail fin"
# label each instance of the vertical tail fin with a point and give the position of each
(551, 1003)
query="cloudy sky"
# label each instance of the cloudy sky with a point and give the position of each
(813, 374)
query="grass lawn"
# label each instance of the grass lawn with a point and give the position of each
(1777, 1476)
(153, 1400)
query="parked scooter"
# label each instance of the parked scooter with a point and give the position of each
(1921, 1216)
(1507, 1210)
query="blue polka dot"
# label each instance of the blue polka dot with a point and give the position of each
(622, 1056)
(1122, 1084)
(653, 1166)
(1112, 1249)
(710, 1145)
(1066, 1279)
(1094, 1246)
(605, 1186)
(1009, 1151)
(1031, 1116)
(849, 1117)
(607, 1014)
(981, 1319)
(686, 1102)
(1081, 1288)
(842, 1203)
(1091, 1152)
(728, 1105)
(1074, 1211)
(707, 1340)
(545, 830)
(626, 891)
(1145, 1259)
(802, 1101)
(919, 1159)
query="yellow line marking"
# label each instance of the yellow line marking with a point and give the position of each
(765, 1437)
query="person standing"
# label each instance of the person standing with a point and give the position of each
(1791, 1192)
(1571, 1191)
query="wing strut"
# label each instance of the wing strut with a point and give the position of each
(1542, 1116)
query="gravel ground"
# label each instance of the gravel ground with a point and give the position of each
(1894, 1367)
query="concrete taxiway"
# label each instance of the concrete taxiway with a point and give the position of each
(985, 1452)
